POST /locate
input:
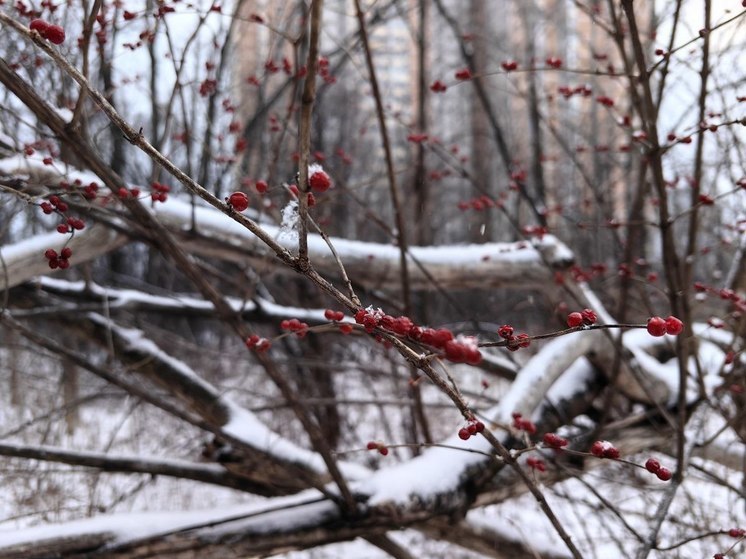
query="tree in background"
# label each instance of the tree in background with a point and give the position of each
(239, 318)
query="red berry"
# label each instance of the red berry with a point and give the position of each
(54, 34)
(574, 319)
(372, 445)
(736, 532)
(505, 331)
(463, 434)
(319, 181)
(674, 326)
(656, 326)
(54, 263)
(63, 228)
(555, 441)
(345, 328)
(67, 252)
(383, 450)
(464, 74)
(50, 254)
(664, 474)
(261, 187)
(46, 207)
(239, 201)
(589, 317)
(479, 426)
(63, 263)
(604, 449)
(39, 25)
(652, 465)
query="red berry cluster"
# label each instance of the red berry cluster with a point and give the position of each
(523, 424)
(654, 467)
(586, 317)
(160, 192)
(737, 533)
(567, 91)
(52, 33)
(472, 428)
(379, 446)
(604, 449)
(295, 325)
(330, 314)
(514, 342)
(536, 464)
(553, 440)
(318, 180)
(658, 326)
(463, 74)
(123, 193)
(438, 87)
(554, 62)
(238, 201)
(258, 343)
(61, 260)
(55, 204)
(324, 71)
(461, 349)
(509, 65)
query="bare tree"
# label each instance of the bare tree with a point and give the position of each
(224, 336)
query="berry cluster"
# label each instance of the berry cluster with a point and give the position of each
(514, 342)
(604, 449)
(56, 205)
(463, 74)
(379, 446)
(566, 91)
(258, 343)
(461, 349)
(295, 325)
(536, 464)
(52, 33)
(324, 71)
(438, 87)
(330, 314)
(61, 260)
(523, 424)
(509, 65)
(472, 428)
(654, 467)
(586, 317)
(123, 193)
(658, 326)
(553, 440)
(160, 192)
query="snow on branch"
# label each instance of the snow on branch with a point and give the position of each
(24, 260)
(235, 423)
(183, 469)
(524, 264)
(373, 265)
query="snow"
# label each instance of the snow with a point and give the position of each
(287, 236)
(128, 527)
(211, 221)
(118, 297)
(242, 424)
